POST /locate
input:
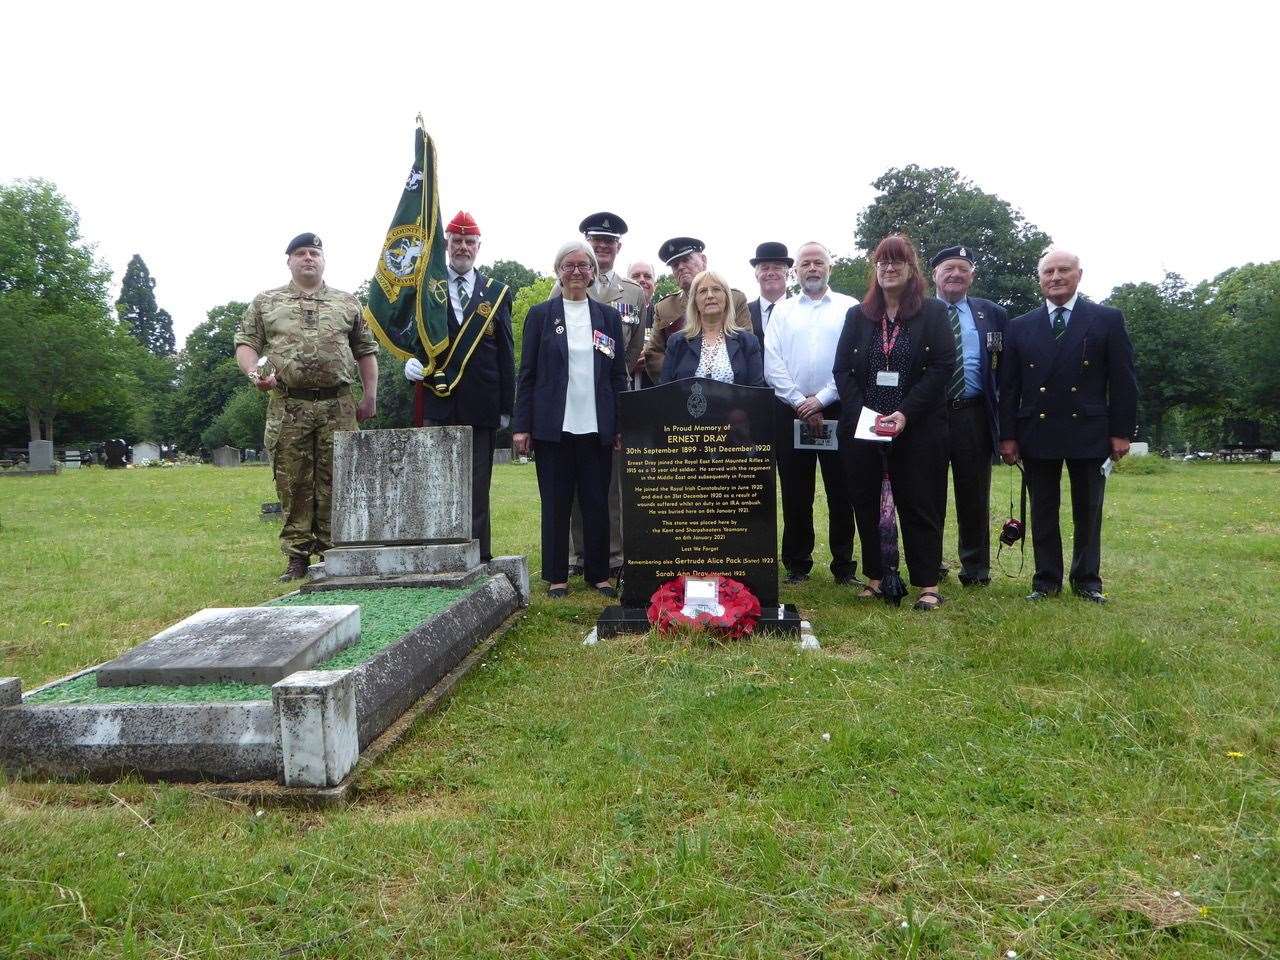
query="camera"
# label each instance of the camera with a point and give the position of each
(1012, 531)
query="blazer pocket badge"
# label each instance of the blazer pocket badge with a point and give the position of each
(485, 309)
(603, 342)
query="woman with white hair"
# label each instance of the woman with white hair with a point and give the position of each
(715, 342)
(572, 372)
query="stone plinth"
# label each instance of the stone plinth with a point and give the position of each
(399, 560)
(226, 457)
(316, 720)
(40, 455)
(402, 486)
(10, 691)
(245, 645)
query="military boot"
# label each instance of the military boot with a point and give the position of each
(296, 570)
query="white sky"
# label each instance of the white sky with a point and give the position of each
(1141, 135)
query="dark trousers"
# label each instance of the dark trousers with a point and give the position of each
(918, 477)
(482, 444)
(577, 466)
(1044, 486)
(797, 471)
(970, 442)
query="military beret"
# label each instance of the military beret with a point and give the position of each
(678, 247)
(603, 224)
(463, 225)
(303, 240)
(951, 253)
(772, 252)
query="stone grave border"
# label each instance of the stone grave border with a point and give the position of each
(352, 716)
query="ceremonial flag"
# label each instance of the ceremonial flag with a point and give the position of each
(408, 307)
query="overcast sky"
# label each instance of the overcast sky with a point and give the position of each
(203, 137)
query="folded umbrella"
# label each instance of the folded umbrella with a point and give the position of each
(891, 586)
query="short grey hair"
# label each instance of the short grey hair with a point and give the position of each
(1075, 260)
(820, 246)
(576, 246)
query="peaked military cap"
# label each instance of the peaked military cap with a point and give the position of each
(603, 224)
(678, 247)
(304, 240)
(772, 252)
(951, 253)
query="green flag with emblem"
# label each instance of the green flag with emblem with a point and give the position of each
(409, 297)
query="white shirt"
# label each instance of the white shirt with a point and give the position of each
(1068, 308)
(800, 346)
(766, 316)
(580, 397)
(468, 281)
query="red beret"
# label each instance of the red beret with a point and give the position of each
(464, 225)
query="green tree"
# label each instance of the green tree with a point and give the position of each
(664, 286)
(150, 326)
(59, 350)
(850, 275)
(1177, 357)
(241, 423)
(1243, 308)
(207, 374)
(514, 274)
(535, 293)
(936, 208)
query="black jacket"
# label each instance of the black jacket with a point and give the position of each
(543, 380)
(745, 357)
(487, 388)
(1064, 399)
(924, 386)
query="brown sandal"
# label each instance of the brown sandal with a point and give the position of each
(923, 604)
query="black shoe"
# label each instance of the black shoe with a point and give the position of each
(1086, 593)
(1041, 594)
(794, 577)
(968, 581)
(557, 593)
(296, 570)
(607, 591)
(848, 580)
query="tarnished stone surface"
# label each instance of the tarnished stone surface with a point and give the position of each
(401, 486)
(208, 741)
(10, 691)
(515, 569)
(316, 723)
(403, 559)
(388, 683)
(246, 645)
(226, 457)
(39, 454)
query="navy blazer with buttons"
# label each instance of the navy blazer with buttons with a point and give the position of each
(1064, 399)
(543, 380)
(989, 318)
(745, 357)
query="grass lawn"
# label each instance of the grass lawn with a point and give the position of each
(1058, 780)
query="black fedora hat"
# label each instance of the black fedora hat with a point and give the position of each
(772, 251)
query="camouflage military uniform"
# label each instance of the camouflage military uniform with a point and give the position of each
(668, 317)
(313, 341)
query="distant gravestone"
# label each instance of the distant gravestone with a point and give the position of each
(116, 450)
(145, 452)
(71, 459)
(40, 455)
(1139, 449)
(251, 456)
(226, 457)
(240, 645)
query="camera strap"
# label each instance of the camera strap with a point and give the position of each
(1022, 519)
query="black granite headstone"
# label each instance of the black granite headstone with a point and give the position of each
(697, 493)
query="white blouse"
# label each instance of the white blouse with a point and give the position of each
(580, 398)
(714, 362)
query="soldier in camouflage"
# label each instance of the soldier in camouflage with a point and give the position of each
(315, 340)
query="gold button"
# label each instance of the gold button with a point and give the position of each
(1042, 389)
(1042, 416)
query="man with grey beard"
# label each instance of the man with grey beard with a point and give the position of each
(799, 351)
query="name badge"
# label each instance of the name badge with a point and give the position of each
(886, 378)
(603, 342)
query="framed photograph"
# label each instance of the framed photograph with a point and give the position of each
(823, 438)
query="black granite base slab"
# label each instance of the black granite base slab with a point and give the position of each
(615, 620)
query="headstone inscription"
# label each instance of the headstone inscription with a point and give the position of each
(697, 495)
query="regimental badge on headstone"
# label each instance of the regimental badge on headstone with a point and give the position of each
(697, 402)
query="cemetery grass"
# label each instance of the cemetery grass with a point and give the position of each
(1058, 780)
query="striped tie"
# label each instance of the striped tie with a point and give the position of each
(463, 299)
(1059, 323)
(955, 390)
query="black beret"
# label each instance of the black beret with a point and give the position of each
(603, 224)
(951, 253)
(772, 252)
(678, 247)
(304, 240)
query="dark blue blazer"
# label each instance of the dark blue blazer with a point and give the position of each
(487, 387)
(543, 380)
(1063, 399)
(745, 356)
(989, 318)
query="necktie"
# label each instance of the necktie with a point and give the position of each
(768, 311)
(955, 390)
(463, 299)
(1059, 323)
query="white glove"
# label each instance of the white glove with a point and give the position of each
(413, 370)
(503, 422)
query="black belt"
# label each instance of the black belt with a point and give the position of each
(963, 403)
(318, 393)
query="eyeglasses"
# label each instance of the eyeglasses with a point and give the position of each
(582, 268)
(885, 264)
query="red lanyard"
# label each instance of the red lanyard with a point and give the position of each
(886, 341)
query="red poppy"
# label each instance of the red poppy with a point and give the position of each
(741, 607)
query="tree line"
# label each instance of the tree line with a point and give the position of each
(77, 368)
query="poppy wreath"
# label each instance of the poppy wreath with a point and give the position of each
(741, 607)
